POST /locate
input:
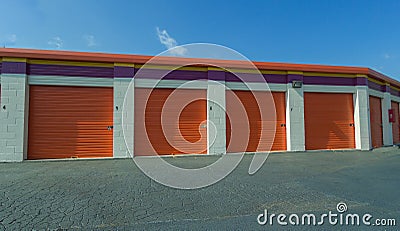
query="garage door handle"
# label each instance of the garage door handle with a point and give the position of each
(352, 125)
(283, 125)
(110, 128)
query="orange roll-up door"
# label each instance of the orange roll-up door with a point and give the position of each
(329, 121)
(170, 121)
(375, 110)
(250, 125)
(396, 124)
(69, 122)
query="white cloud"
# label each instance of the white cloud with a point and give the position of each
(386, 56)
(57, 42)
(90, 40)
(170, 43)
(8, 40)
(12, 38)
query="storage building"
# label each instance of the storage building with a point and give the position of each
(62, 104)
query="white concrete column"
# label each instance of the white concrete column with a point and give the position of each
(120, 88)
(123, 74)
(13, 119)
(387, 127)
(295, 118)
(362, 124)
(216, 118)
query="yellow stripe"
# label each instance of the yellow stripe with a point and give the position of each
(383, 83)
(9, 59)
(376, 81)
(165, 67)
(69, 63)
(274, 72)
(250, 71)
(169, 67)
(395, 88)
(295, 73)
(256, 71)
(215, 69)
(329, 74)
(124, 65)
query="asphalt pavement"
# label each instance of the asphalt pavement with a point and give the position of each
(115, 195)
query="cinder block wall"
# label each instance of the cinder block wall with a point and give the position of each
(14, 110)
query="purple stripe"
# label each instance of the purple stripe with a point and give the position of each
(187, 75)
(44, 69)
(230, 77)
(243, 77)
(173, 75)
(376, 86)
(128, 72)
(124, 72)
(386, 88)
(315, 80)
(216, 75)
(394, 92)
(254, 78)
(360, 81)
(273, 78)
(290, 78)
(13, 68)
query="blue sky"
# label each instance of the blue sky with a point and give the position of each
(354, 33)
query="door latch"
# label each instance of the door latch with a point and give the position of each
(110, 128)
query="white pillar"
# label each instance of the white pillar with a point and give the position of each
(13, 122)
(387, 127)
(362, 124)
(120, 88)
(216, 118)
(295, 118)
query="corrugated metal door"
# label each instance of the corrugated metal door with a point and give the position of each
(255, 122)
(396, 124)
(375, 110)
(69, 122)
(329, 121)
(173, 119)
